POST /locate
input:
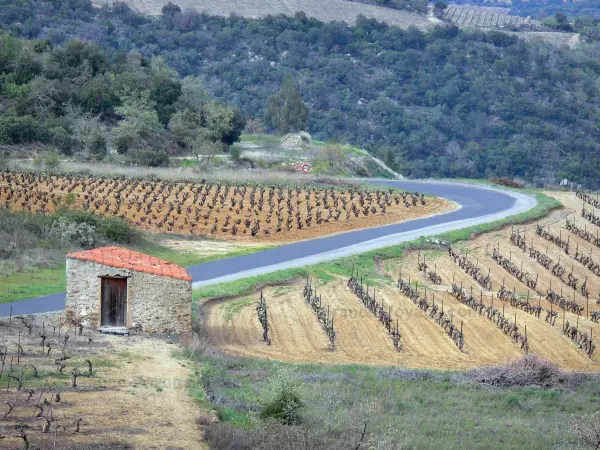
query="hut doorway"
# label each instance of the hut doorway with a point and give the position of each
(113, 302)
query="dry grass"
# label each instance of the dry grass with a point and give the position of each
(183, 173)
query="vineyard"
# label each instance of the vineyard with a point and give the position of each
(65, 386)
(220, 210)
(532, 289)
(485, 17)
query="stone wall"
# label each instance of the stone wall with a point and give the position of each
(154, 303)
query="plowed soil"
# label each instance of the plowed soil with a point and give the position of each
(220, 211)
(361, 338)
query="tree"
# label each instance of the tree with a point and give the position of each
(286, 112)
(139, 127)
(332, 153)
(211, 123)
(237, 127)
(438, 9)
(562, 21)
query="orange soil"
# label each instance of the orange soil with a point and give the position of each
(298, 337)
(130, 199)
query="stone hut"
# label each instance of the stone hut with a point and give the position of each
(116, 289)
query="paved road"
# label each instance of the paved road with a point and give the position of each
(478, 204)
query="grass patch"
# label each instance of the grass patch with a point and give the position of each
(434, 410)
(32, 283)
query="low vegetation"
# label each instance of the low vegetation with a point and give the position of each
(270, 405)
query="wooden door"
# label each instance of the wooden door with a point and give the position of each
(114, 302)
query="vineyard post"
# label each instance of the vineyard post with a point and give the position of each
(503, 309)
(492, 301)
(453, 273)
(461, 327)
(563, 327)
(577, 325)
(587, 307)
(442, 304)
(19, 350)
(10, 322)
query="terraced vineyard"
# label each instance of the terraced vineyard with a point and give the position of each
(533, 289)
(483, 17)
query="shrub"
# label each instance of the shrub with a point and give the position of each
(112, 229)
(98, 147)
(284, 407)
(529, 370)
(235, 152)
(151, 158)
(508, 182)
(51, 161)
(82, 234)
(20, 130)
(62, 140)
(117, 230)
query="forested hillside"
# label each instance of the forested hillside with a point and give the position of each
(446, 102)
(75, 98)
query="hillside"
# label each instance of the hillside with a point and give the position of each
(326, 11)
(348, 11)
(451, 102)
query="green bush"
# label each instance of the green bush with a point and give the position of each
(118, 230)
(235, 152)
(62, 140)
(98, 147)
(112, 229)
(283, 408)
(20, 130)
(151, 158)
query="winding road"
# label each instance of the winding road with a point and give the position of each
(478, 204)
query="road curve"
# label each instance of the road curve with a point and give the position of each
(478, 204)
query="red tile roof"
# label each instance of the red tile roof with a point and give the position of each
(128, 259)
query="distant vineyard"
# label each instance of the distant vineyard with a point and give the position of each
(217, 209)
(331, 10)
(483, 17)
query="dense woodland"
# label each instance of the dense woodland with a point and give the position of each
(543, 8)
(75, 99)
(447, 102)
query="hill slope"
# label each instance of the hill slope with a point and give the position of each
(326, 11)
